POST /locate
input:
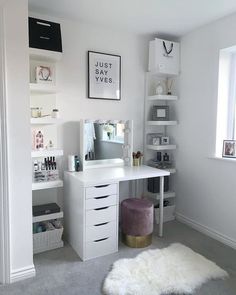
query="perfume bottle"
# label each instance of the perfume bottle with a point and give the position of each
(166, 157)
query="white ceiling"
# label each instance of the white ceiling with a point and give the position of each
(164, 17)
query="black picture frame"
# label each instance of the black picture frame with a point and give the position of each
(104, 76)
(164, 113)
(229, 149)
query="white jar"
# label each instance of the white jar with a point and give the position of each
(55, 113)
(35, 112)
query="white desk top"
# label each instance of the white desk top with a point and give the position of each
(96, 176)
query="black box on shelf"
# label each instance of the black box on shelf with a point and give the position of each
(154, 184)
(45, 209)
(44, 35)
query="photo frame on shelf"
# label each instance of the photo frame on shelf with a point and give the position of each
(44, 74)
(229, 149)
(160, 113)
(104, 76)
(165, 140)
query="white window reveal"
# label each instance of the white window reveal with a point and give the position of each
(226, 109)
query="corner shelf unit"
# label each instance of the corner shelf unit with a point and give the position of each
(162, 97)
(40, 89)
(168, 147)
(46, 185)
(47, 153)
(162, 123)
(156, 196)
(44, 55)
(159, 127)
(48, 217)
(44, 95)
(45, 121)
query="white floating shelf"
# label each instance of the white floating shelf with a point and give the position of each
(46, 153)
(157, 195)
(37, 88)
(161, 147)
(162, 123)
(171, 170)
(47, 184)
(45, 121)
(47, 217)
(44, 55)
(164, 75)
(162, 97)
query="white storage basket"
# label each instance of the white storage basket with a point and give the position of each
(47, 240)
(169, 214)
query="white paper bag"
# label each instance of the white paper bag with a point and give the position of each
(164, 57)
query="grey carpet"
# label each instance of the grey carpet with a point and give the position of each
(61, 272)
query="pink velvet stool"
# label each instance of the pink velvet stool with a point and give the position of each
(137, 222)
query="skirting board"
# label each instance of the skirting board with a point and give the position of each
(206, 230)
(22, 274)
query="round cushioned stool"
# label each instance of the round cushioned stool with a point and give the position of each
(137, 222)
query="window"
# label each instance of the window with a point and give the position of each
(113, 132)
(226, 109)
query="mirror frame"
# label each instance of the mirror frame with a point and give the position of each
(127, 146)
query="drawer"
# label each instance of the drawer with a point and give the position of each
(101, 230)
(101, 190)
(102, 201)
(101, 215)
(101, 247)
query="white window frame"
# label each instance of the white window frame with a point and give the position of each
(226, 108)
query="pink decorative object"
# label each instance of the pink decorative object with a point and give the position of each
(38, 140)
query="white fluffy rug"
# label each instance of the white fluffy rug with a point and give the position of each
(176, 269)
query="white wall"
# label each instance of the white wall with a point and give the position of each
(18, 128)
(78, 38)
(206, 187)
(72, 101)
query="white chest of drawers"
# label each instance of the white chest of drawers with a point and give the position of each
(92, 218)
(91, 201)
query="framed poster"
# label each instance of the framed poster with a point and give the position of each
(104, 76)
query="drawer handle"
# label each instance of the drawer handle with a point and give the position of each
(103, 197)
(43, 24)
(102, 208)
(103, 185)
(100, 224)
(45, 38)
(96, 241)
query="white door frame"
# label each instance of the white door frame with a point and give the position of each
(4, 199)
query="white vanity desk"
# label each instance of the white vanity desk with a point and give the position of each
(92, 207)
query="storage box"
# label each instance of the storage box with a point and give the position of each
(154, 184)
(44, 35)
(164, 57)
(45, 209)
(47, 240)
(169, 213)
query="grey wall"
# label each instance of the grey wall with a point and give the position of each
(205, 186)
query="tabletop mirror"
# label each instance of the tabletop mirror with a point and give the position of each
(105, 143)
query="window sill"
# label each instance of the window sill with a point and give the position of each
(112, 141)
(223, 159)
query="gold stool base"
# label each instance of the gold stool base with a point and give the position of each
(137, 241)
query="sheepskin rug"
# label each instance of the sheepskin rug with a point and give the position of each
(176, 269)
